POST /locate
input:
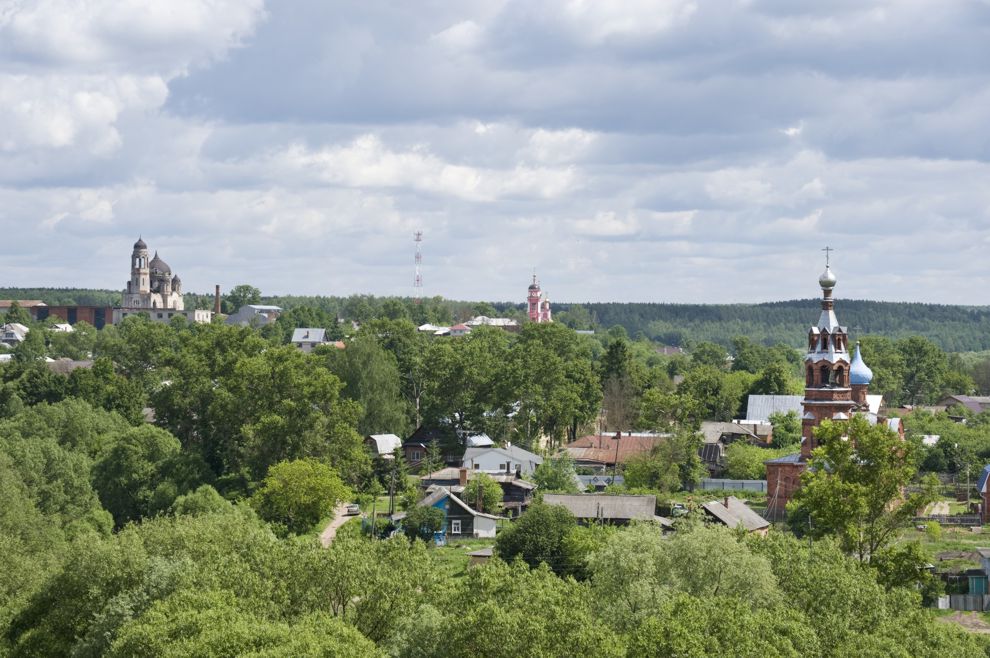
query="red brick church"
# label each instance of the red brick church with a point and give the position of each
(835, 389)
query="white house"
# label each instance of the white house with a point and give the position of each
(509, 459)
(307, 338)
(12, 333)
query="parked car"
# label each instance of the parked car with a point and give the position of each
(352, 510)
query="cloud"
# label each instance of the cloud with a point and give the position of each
(367, 162)
(611, 145)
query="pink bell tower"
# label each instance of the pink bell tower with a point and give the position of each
(533, 300)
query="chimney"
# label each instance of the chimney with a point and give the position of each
(462, 476)
(216, 300)
(726, 502)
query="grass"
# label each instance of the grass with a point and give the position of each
(453, 558)
(952, 539)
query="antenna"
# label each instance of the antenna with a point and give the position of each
(418, 280)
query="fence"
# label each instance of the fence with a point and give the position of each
(951, 519)
(969, 602)
(713, 484)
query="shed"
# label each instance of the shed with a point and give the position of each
(733, 513)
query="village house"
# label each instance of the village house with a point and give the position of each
(604, 451)
(492, 459)
(460, 520)
(517, 493)
(308, 338)
(12, 333)
(605, 508)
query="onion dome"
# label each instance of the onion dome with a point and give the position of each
(859, 372)
(534, 285)
(176, 281)
(140, 244)
(158, 264)
(827, 280)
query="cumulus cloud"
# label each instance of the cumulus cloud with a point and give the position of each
(611, 145)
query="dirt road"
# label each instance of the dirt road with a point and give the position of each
(339, 518)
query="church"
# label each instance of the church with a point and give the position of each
(155, 290)
(538, 304)
(836, 387)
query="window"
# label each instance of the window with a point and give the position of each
(416, 455)
(477, 467)
(840, 376)
(161, 315)
(455, 526)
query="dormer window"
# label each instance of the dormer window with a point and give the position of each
(824, 341)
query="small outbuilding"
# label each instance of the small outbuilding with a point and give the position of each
(735, 513)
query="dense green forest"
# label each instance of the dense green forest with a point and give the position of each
(194, 534)
(953, 328)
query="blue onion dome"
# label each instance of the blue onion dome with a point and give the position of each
(859, 372)
(827, 279)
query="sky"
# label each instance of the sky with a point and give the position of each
(643, 150)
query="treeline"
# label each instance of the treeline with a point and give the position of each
(953, 328)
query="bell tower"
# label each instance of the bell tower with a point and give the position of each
(827, 390)
(533, 299)
(140, 282)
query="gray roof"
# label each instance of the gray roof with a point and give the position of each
(713, 430)
(604, 480)
(604, 506)
(478, 441)
(386, 443)
(309, 335)
(759, 407)
(786, 459)
(515, 452)
(733, 512)
(439, 493)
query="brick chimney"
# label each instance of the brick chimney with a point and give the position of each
(462, 476)
(216, 300)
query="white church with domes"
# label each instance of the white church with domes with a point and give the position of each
(154, 290)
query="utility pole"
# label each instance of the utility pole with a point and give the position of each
(615, 464)
(418, 279)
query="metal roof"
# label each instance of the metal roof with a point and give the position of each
(515, 452)
(759, 407)
(385, 444)
(733, 512)
(786, 459)
(604, 506)
(981, 484)
(309, 335)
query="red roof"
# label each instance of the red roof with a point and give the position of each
(460, 327)
(601, 448)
